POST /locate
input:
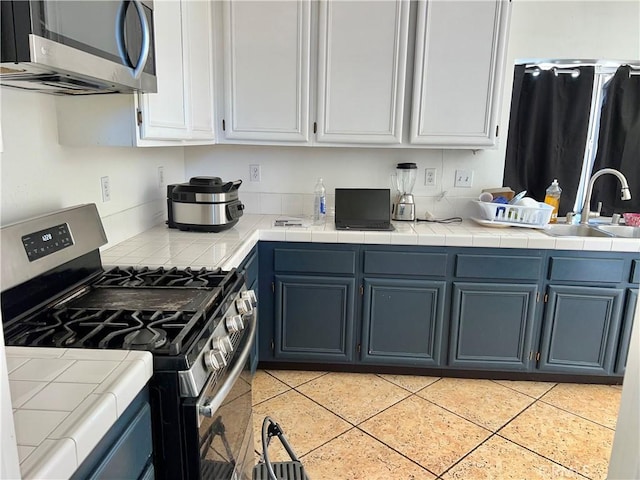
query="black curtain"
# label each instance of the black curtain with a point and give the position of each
(548, 131)
(619, 143)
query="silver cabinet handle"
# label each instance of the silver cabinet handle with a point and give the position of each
(120, 40)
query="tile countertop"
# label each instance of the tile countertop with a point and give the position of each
(65, 400)
(170, 247)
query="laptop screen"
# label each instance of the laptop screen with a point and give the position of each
(363, 205)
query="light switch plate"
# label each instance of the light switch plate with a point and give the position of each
(464, 178)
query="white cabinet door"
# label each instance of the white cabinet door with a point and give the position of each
(198, 35)
(164, 114)
(266, 70)
(459, 63)
(362, 54)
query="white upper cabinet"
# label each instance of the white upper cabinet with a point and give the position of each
(459, 64)
(164, 114)
(180, 113)
(266, 70)
(362, 54)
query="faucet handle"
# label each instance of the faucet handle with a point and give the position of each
(597, 212)
(569, 217)
(615, 219)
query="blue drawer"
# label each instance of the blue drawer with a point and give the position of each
(314, 261)
(503, 267)
(591, 269)
(405, 263)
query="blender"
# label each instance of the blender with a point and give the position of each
(404, 208)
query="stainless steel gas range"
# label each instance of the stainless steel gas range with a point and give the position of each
(199, 325)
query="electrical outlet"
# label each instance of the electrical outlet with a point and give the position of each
(430, 177)
(160, 177)
(464, 178)
(254, 173)
(106, 189)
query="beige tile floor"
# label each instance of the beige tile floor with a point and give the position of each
(347, 426)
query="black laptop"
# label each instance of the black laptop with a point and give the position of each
(363, 209)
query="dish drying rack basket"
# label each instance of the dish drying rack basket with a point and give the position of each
(515, 214)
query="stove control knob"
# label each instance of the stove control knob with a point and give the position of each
(214, 360)
(244, 306)
(223, 344)
(234, 323)
(251, 296)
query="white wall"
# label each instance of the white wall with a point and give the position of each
(38, 176)
(543, 29)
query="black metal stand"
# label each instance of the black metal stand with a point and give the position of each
(267, 470)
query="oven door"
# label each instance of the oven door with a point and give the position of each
(218, 424)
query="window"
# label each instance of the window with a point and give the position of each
(569, 119)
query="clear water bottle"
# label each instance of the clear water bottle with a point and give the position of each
(552, 197)
(319, 204)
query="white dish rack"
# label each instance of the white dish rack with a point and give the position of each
(514, 215)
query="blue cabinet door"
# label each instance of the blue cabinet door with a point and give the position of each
(625, 336)
(314, 318)
(580, 329)
(492, 325)
(402, 321)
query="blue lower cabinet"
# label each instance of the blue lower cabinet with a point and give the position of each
(580, 330)
(625, 336)
(314, 318)
(125, 451)
(492, 325)
(402, 322)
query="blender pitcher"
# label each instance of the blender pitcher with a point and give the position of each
(404, 207)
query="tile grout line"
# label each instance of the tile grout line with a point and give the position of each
(397, 451)
(528, 448)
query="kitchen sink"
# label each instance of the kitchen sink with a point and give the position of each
(575, 231)
(625, 231)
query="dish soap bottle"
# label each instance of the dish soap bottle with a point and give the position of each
(552, 197)
(319, 205)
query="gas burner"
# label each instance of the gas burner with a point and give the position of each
(145, 339)
(160, 277)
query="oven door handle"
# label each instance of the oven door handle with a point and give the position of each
(208, 408)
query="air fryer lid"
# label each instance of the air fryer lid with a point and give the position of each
(207, 185)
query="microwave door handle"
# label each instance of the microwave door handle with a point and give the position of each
(146, 40)
(120, 40)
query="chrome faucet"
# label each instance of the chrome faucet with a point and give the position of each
(625, 194)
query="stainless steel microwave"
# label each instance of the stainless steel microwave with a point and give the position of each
(78, 47)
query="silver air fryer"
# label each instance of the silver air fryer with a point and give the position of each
(205, 204)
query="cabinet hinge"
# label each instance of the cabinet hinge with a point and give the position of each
(223, 125)
(361, 290)
(497, 130)
(315, 127)
(139, 117)
(273, 287)
(546, 298)
(537, 356)
(273, 345)
(358, 348)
